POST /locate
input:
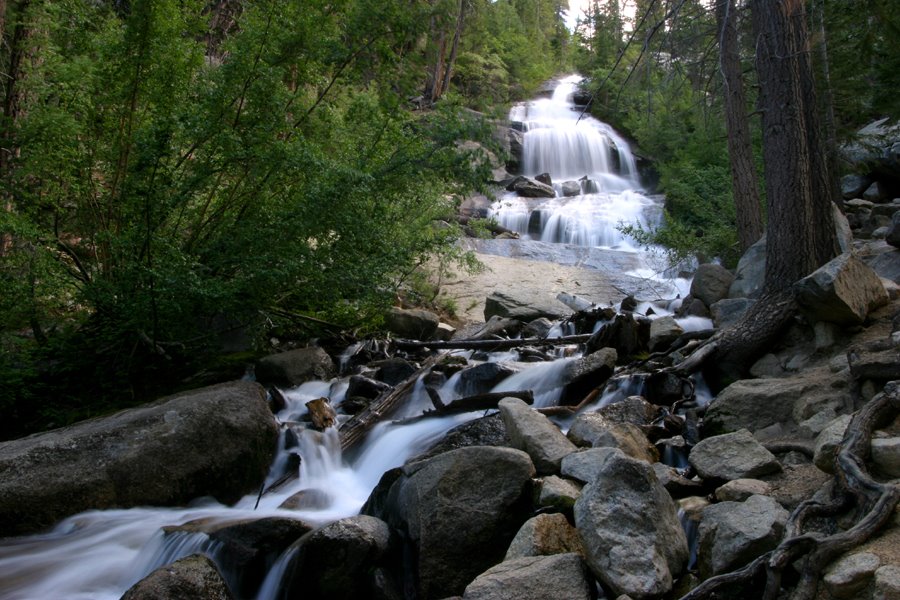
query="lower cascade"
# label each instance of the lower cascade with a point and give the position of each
(550, 457)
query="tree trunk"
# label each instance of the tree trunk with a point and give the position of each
(448, 69)
(801, 223)
(740, 149)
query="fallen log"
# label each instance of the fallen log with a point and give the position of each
(576, 303)
(355, 429)
(470, 404)
(857, 490)
(492, 344)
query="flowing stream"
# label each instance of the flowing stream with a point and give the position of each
(97, 555)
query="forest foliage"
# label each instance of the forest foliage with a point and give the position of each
(175, 171)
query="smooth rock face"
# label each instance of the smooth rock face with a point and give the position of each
(711, 283)
(535, 434)
(291, 368)
(194, 577)
(544, 535)
(216, 441)
(849, 577)
(338, 560)
(533, 578)
(752, 404)
(842, 291)
(732, 456)
(734, 533)
(458, 512)
(629, 552)
(414, 323)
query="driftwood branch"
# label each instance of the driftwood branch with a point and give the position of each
(471, 403)
(874, 501)
(492, 344)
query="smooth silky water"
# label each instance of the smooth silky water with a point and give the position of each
(97, 555)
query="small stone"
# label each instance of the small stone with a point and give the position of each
(558, 493)
(544, 535)
(848, 577)
(887, 583)
(732, 456)
(739, 490)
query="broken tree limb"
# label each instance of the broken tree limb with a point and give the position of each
(576, 303)
(354, 430)
(492, 344)
(874, 501)
(472, 403)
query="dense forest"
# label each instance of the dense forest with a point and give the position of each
(176, 173)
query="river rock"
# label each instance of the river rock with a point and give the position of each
(290, 369)
(664, 331)
(629, 552)
(593, 429)
(849, 577)
(393, 371)
(530, 188)
(852, 186)
(194, 577)
(732, 456)
(558, 493)
(876, 192)
(516, 145)
(365, 387)
(482, 378)
(842, 291)
(476, 206)
(485, 431)
(521, 309)
(728, 311)
(738, 490)
(828, 442)
(892, 236)
(753, 404)
(216, 441)
(871, 149)
(633, 409)
(750, 273)
(570, 188)
(711, 283)
(586, 465)
(411, 323)
(582, 375)
(675, 483)
(544, 535)
(458, 513)
(497, 326)
(533, 578)
(535, 434)
(887, 583)
(734, 533)
(627, 334)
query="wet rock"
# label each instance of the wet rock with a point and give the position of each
(558, 493)
(308, 499)
(738, 490)
(216, 441)
(750, 273)
(850, 576)
(539, 328)
(533, 578)
(876, 192)
(734, 533)
(338, 561)
(628, 552)
(711, 283)
(852, 186)
(593, 429)
(664, 388)
(828, 442)
(291, 368)
(587, 373)
(486, 431)
(633, 409)
(571, 188)
(535, 434)
(365, 387)
(732, 456)
(544, 535)
(530, 188)
(728, 311)
(457, 511)
(842, 291)
(393, 371)
(626, 333)
(544, 178)
(664, 331)
(498, 327)
(753, 404)
(692, 307)
(585, 465)
(676, 484)
(194, 577)
(516, 139)
(482, 378)
(412, 323)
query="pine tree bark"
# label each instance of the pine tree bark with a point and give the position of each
(744, 181)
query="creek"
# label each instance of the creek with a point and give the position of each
(97, 555)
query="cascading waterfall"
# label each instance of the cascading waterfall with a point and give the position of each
(97, 555)
(593, 158)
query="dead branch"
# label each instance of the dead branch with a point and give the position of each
(492, 344)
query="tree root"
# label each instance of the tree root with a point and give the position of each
(873, 501)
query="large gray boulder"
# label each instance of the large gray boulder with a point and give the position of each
(711, 283)
(734, 533)
(751, 272)
(525, 309)
(732, 456)
(873, 149)
(583, 375)
(457, 512)
(842, 291)
(727, 311)
(535, 434)
(852, 186)
(543, 535)
(291, 368)
(339, 561)
(595, 430)
(533, 578)
(216, 441)
(628, 523)
(194, 577)
(531, 188)
(411, 323)
(664, 331)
